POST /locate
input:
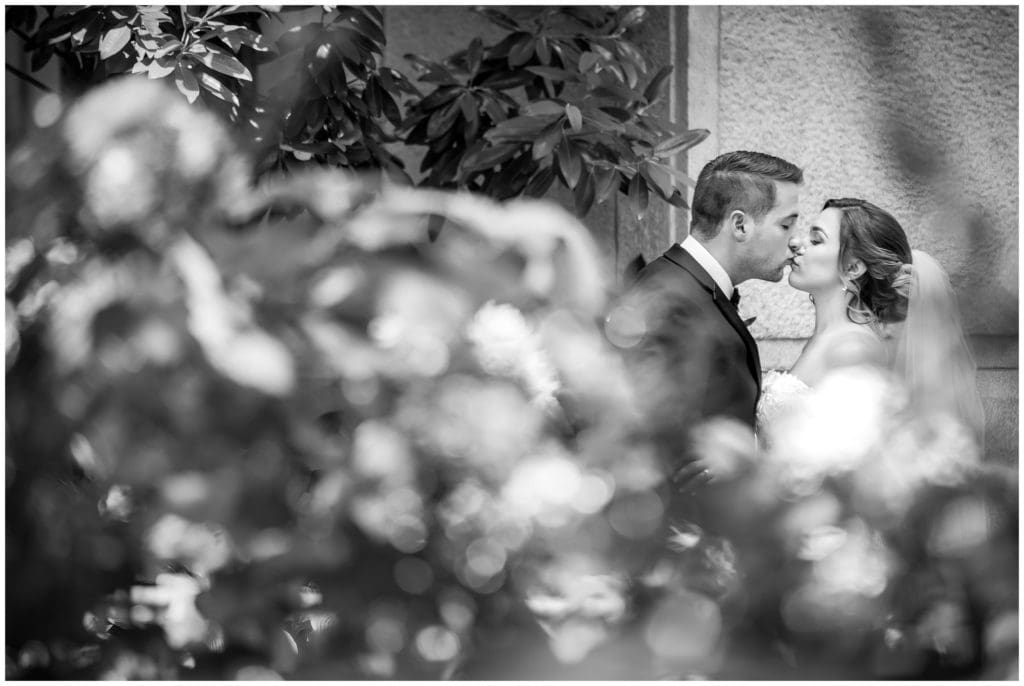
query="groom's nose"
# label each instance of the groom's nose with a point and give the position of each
(796, 244)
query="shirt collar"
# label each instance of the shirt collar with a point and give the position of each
(709, 263)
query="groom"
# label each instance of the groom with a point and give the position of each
(692, 355)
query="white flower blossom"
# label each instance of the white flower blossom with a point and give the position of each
(504, 344)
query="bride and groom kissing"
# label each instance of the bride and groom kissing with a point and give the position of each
(877, 304)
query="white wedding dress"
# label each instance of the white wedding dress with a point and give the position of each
(781, 393)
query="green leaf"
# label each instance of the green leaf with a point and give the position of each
(114, 40)
(605, 181)
(186, 82)
(474, 53)
(158, 69)
(683, 141)
(443, 119)
(554, 74)
(638, 197)
(540, 182)
(168, 47)
(659, 178)
(575, 117)
(588, 60)
(500, 18)
(569, 162)
(494, 110)
(522, 128)
(546, 141)
(653, 92)
(543, 50)
(543, 107)
(633, 17)
(225, 64)
(211, 84)
(522, 51)
(583, 198)
(679, 175)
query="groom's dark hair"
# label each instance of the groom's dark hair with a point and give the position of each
(738, 180)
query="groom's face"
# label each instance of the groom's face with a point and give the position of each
(769, 242)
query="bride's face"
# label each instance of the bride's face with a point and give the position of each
(816, 266)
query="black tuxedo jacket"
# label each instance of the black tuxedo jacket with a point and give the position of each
(695, 359)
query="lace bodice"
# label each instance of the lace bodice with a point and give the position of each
(779, 391)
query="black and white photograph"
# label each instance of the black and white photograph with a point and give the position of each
(415, 342)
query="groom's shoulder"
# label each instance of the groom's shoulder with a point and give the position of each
(663, 273)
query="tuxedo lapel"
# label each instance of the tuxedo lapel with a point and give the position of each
(685, 261)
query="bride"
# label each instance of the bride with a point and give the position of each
(878, 305)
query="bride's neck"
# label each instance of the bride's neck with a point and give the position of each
(829, 310)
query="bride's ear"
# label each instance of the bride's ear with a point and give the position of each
(856, 269)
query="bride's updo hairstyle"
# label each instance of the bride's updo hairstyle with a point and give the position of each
(870, 234)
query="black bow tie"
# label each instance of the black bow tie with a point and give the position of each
(735, 299)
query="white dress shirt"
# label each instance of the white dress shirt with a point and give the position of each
(710, 264)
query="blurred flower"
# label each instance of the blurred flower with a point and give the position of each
(174, 596)
(832, 428)
(543, 487)
(418, 317)
(225, 328)
(727, 446)
(203, 548)
(920, 450)
(12, 337)
(487, 425)
(684, 537)
(851, 567)
(576, 609)
(118, 503)
(504, 344)
(961, 527)
(437, 643)
(684, 629)
(132, 140)
(381, 453)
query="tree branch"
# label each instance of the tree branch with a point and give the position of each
(25, 77)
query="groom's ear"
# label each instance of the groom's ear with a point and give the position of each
(739, 224)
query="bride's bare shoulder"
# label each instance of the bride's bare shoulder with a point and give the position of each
(855, 345)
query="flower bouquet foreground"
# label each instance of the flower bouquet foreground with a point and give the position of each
(328, 427)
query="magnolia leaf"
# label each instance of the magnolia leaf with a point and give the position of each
(679, 175)
(575, 117)
(523, 128)
(683, 141)
(659, 178)
(653, 90)
(583, 198)
(554, 74)
(569, 162)
(541, 182)
(588, 60)
(113, 40)
(158, 71)
(211, 84)
(500, 18)
(638, 196)
(225, 64)
(186, 82)
(169, 46)
(522, 51)
(543, 107)
(547, 141)
(474, 54)
(605, 181)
